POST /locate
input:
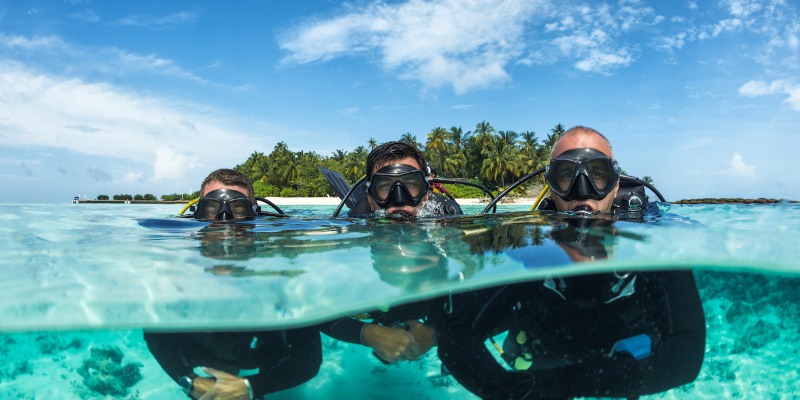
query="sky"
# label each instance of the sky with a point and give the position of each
(136, 97)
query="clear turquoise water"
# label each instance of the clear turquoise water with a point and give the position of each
(77, 277)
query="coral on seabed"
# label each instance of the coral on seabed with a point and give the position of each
(104, 372)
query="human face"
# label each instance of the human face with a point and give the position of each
(408, 209)
(579, 141)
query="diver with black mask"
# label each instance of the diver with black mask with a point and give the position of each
(398, 186)
(611, 334)
(229, 364)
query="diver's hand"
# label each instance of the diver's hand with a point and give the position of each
(424, 335)
(224, 387)
(390, 344)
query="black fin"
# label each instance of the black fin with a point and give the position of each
(340, 187)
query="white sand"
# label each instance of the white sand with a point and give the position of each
(334, 201)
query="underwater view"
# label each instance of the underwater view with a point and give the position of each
(83, 289)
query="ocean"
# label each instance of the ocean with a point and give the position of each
(81, 282)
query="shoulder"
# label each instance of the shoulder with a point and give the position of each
(444, 204)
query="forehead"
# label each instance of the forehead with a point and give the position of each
(407, 161)
(215, 185)
(581, 141)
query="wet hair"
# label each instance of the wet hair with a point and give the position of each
(230, 177)
(584, 130)
(392, 151)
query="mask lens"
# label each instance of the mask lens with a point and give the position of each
(207, 209)
(414, 183)
(382, 185)
(563, 172)
(600, 172)
(240, 209)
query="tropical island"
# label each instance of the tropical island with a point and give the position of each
(486, 156)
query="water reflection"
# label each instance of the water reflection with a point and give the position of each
(752, 320)
(618, 334)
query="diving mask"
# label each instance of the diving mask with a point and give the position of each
(398, 185)
(225, 205)
(582, 174)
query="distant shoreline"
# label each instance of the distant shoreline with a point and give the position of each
(334, 201)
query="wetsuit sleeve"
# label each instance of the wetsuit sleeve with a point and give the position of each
(164, 348)
(461, 337)
(299, 364)
(345, 329)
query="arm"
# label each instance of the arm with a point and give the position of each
(391, 344)
(288, 366)
(461, 339)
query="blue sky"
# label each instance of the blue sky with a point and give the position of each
(150, 96)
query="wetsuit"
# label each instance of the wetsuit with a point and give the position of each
(570, 328)
(270, 360)
(349, 329)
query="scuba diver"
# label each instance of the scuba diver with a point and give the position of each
(228, 364)
(397, 188)
(614, 334)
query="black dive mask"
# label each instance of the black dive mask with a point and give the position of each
(398, 185)
(582, 174)
(225, 205)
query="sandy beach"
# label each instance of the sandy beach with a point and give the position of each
(334, 201)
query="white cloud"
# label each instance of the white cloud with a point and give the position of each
(97, 119)
(761, 88)
(738, 168)
(468, 44)
(171, 164)
(465, 45)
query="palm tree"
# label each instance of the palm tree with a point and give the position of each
(454, 164)
(647, 179)
(355, 164)
(410, 139)
(484, 134)
(372, 144)
(282, 165)
(458, 138)
(553, 137)
(436, 147)
(501, 160)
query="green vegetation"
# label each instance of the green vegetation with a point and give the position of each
(486, 156)
(490, 157)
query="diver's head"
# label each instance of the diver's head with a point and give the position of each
(397, 180)
(225, 205)
(582, 173)
(226, 195)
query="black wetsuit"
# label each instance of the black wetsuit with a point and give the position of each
(570, 328)
(270, 360)
(349, 329)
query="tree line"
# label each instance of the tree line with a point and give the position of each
(493, 158)
(487, 156)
